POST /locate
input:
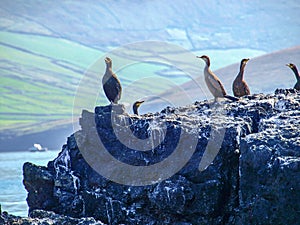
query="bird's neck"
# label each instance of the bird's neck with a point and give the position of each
(296, 73)
(135, 110)
(108, 69)
(241, 73)
(207, 70)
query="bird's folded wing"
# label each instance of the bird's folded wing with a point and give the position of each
(216, 83)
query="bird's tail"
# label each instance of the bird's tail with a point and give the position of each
(231, 98)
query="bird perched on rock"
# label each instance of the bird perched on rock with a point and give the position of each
(294, 68)
(111, 84)
(135, 106)
(239, 86)
(213, 82)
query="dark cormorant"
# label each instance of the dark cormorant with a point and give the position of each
(111, 84)
(135, 106)
(213, 82)
(239, 86)
(294, 68)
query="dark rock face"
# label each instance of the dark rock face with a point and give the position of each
(229, 163)
(270, 167)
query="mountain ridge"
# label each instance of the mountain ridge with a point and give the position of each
(155, 20)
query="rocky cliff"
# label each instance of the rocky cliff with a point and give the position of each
(206, 163)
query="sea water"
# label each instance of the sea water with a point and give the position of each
(12, 192)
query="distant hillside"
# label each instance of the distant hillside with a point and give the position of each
(270, 67)
(53, 137)
(267, 25)
(47, 47)
(263, 74)
(40, 77)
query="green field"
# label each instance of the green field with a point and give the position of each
(40, 76)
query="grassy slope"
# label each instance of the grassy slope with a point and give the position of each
(39, 76)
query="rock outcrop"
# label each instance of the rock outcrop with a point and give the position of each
(221, 163)
(41, 217)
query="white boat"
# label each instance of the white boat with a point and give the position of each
(37, 148)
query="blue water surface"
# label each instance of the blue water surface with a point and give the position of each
(12, 192)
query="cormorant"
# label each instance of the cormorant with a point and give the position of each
(239, 86)
(213, 82)
(135, 106)
(294, 68)
(111, 84)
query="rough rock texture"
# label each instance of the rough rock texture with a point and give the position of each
(252, 148)
(270, 166)
(41, 217)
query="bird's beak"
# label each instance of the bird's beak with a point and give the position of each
(246, 61)
(198, 56)
(139, 103)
